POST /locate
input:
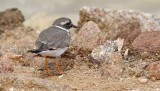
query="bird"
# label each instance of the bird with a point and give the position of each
(54, 41)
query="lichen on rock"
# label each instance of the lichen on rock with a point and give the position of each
(103, 52)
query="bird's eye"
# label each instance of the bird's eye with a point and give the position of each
(68, 23)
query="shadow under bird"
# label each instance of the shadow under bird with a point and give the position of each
(54, 41)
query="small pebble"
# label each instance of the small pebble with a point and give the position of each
(143, 80)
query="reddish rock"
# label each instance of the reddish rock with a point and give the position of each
(113, 21)
(153, 70)
(10, 18)
(88, 38)
(37, 62)
(8, 61)
(127, 24)
(147, 41)
(147, 44)
(17, 47)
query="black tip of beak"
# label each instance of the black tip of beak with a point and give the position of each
(74, 26)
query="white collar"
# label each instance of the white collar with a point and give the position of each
(62, 28)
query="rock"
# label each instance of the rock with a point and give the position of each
(25, 82)
(18, 47)
(153, 70)
(108, 56)
(18, 41)
(147, 44)
(114, 67)
(40, 21)
(88, 38)
(10, 18)
(147, 41)
(115, 58)
(37, 62)
(6, 64)
(143, 80)
(8, 61)
(112, 22)
(120, 44)
(93, 60)
(137, 68)
(19, 33)
(104, 52)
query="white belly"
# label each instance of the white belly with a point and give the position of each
(54, 53)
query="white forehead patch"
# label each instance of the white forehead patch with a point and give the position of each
(63, 23)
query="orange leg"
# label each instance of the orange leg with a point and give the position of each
(46, 62)
(59, 72)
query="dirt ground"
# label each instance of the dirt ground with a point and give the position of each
(78, 72)
(83, 78)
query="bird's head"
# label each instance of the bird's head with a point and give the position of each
(64, 23)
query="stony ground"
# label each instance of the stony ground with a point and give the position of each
(93, 61)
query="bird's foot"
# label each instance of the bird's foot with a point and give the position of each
(61, 73)
(48, 74)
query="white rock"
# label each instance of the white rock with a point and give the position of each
(143, 80)
(103, 52)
